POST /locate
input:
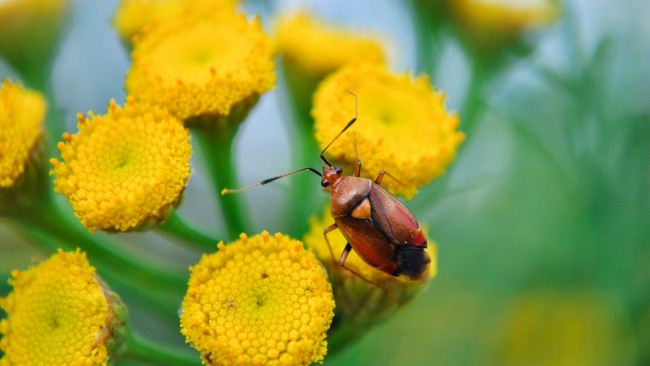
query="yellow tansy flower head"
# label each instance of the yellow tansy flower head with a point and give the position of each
(125, 170)
(559, 327)
(132, 17)
(319, 49)
(402, 127)
(353, 295)
(492, 22)
(263, 300)
(207, 69)
(60, 314)
(21, 118)
(29, 30)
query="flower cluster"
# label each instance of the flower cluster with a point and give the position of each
(259, 300)
(203, 67)
(21, 118)
(402, 126)
(59, 313)
(124, 170)
(318, 49)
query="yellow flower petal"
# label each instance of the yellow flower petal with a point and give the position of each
(57, 314)
(320, 49)
(126, 169)
(21, 117)
(402, 128)
(259, 300)
(202, 68)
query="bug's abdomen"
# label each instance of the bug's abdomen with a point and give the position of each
(368, 242)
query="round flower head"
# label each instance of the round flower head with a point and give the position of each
(263, 300)
(318, 49)
(60, 314)
(491, 23)
(124, 170)
(132, 17)
(402, 126)
(29, 30)
(554, 327)
(21, 118)
(207, 70)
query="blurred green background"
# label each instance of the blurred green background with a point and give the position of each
(542, 222)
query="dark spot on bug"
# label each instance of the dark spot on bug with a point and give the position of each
(264, 275)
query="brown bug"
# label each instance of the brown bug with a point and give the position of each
(380, 229)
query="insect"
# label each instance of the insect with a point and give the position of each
(376, 225)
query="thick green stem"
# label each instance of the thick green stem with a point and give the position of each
(304, 196)
(217, 146)
(141, 349)
(186, 233)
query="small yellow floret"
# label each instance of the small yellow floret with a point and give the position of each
(263, 300)
(402, 127)
(320, 49)
(56, 315)
(210, 67)
(132, 17)
(21, 117)
(126, 169)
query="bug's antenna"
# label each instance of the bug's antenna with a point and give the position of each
(356, 114)
(268, 180)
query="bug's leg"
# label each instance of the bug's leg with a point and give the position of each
(381, 176)
(344, 256)
(327, 230)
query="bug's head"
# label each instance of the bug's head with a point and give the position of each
(412, 261)
(331, 174)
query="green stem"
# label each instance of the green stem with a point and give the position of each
(427, 35)
(141, 349)
(177, 228)
(217, 147)
(52, 220)
(304, 195)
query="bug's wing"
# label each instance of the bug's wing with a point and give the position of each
(389, 214)
(369, 243)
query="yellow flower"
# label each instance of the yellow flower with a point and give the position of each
(262, 300)
(29, 30)
(132, 17)
(319, 49)
(59, 314)
(21, 118)
(553, 327)
(402, 128)
(490, 23)
(212, 69)
(124, 170)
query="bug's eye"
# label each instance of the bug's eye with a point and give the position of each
(339, 170)
(324, 183)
